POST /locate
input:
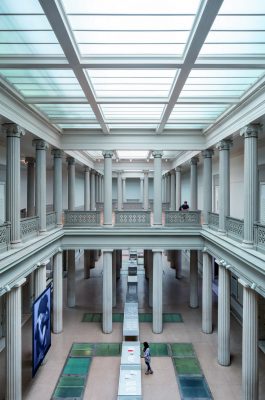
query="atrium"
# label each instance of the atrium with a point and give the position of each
(113, 115)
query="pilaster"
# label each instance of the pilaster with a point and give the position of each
(194, 298)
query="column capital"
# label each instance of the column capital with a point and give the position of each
(57, 153)
(70, 160)
(30, 160)
(59, 250)
(107, 154)
(224, 144)
(157, 153)
(123, 178)
(87, 169)
(246, 284)
(194, 160)
(93, 171)
(141, 178)
(146, 171)
(207, 153)
(13, 130)
(251, 130)
(40, 144)
(178, 169)
(20, 283)
(172, 171)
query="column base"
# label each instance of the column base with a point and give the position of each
(157, 225)
(221, 232)
(16, 243)
(43, 232)
(247, 244)
(108, 225)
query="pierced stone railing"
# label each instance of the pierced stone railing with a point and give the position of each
(260, 237)
(133, 205)
(213, 220)
(4, 237)
(29, 227)
(81, 218)
(234, 228)
(182, 218)
(132, 219)
(50, 220)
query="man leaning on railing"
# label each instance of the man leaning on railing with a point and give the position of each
(184, 206)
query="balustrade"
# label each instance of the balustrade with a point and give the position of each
(4, 237)
(182, 218)
(50, 220)
(133, 218)
(81, 218)
(29, 227)
(260, 237)
(213, 220)
(234, 228)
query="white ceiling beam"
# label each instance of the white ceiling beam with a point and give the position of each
(59, 23)
(125, 140)
(81, 158)
(203, 22)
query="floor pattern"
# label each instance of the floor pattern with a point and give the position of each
(143, 317)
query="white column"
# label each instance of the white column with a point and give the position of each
(141, 189)
(207, 184)
(250, 372)
(172, 190)
(40, 279)
(168, 187)
(119, 190)
(123, 189)
(102, 188)
(13, 135)
(40, 195)
(178, 188)
(207, 298)
(178, 262)
(87, 189)
(250, 134)
(93, 190)
(107, 187)
(71, 183)
(58, 185)
(224, 182)
(96, 186)
(30, 186)
(71, 279)
(158, 291)
(150, 277)
(107, 292)
(57, 324)
(223, 315)
(193, 184)
(194, 299)
(157, 187)
(114, 277)
(87, 261)
(13, 343)
(146, 191)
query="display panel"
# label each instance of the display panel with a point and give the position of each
(41, 328)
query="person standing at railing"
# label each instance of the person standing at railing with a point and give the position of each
(184, 206)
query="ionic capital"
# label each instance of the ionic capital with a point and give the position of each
(250, 131)
(224, 144)
(157, 153)
(40, 144)
(13, 130)
(207, 153)
(107, 154)
(57, 153)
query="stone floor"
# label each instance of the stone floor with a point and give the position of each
(102, 384)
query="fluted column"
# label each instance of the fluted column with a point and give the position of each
(150, 277)
(146, 190)
(223, 315)
(224, 182)
(157, 187)
(123, 189)
(141, 189)
(107, 292)
(119, 190)
(40, 279)
(207, 298)
(87, 189)
(13, 343)
(13, 135)
(178, 188)
(71, 279)
(193, 184)
(207, 184)
(158, 290)
(250, 372)
(172, 190)
(96, 186)
(102, 188)
(58, 185)
(30, 186)
(40, 195)
(168, 182)
(71, 183)
(194, 299)
(250, 134)
(93, 190)
(57, 314)
(114, 277)
(107, 187)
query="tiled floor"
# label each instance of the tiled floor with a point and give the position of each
(102, 384)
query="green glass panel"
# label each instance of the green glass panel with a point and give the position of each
(158, 349)
(145, 317)
(68, 392)
(194, 388)
(169, 317)
(182, 350)
(117, 317)
(71, 381)
(107, 349)
(187, 366)
(77, 366)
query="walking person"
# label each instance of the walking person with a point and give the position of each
(147, 358)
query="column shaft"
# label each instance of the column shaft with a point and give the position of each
(207, 324)
(93, 191)
(141, 190)
(40, 195)
(224, 183)
(146, 191)
(194, 298)
(87, 190)
(207, 184)
(108, 188)
(178, 187)
(71, 279)
(193, 184)
(150, 276)
(87, 259)
(30, 186)
(158, 290)
(58, 185)
(107, 292)
(172, 191)
(40, 280)
(119, 191)
(71, 183)
(58, 292)
(124, 190)
(114, 277)
(224, 316)
(157, 187)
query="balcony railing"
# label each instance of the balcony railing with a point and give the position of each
(29, 227)
(260, 237)
(235, 228)
(213, 220)
(183, 218)
(50, 220)
(81, 218)
(133, 218)
(4, 237)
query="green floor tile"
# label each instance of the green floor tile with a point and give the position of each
(68, 393)
(172, 317)
(182, 350)
(187, 366)
(194, 388)
(82, 350)
(158, 349)
(145, 317)
(107, 349)
(71, 381)
(77, 366)
(117, 317)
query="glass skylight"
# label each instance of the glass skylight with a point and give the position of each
(67, 111)
(132, 112)
(132, 154)
(196, 112)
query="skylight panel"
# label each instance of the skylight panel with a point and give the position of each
(134, 154)
(66, 111)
